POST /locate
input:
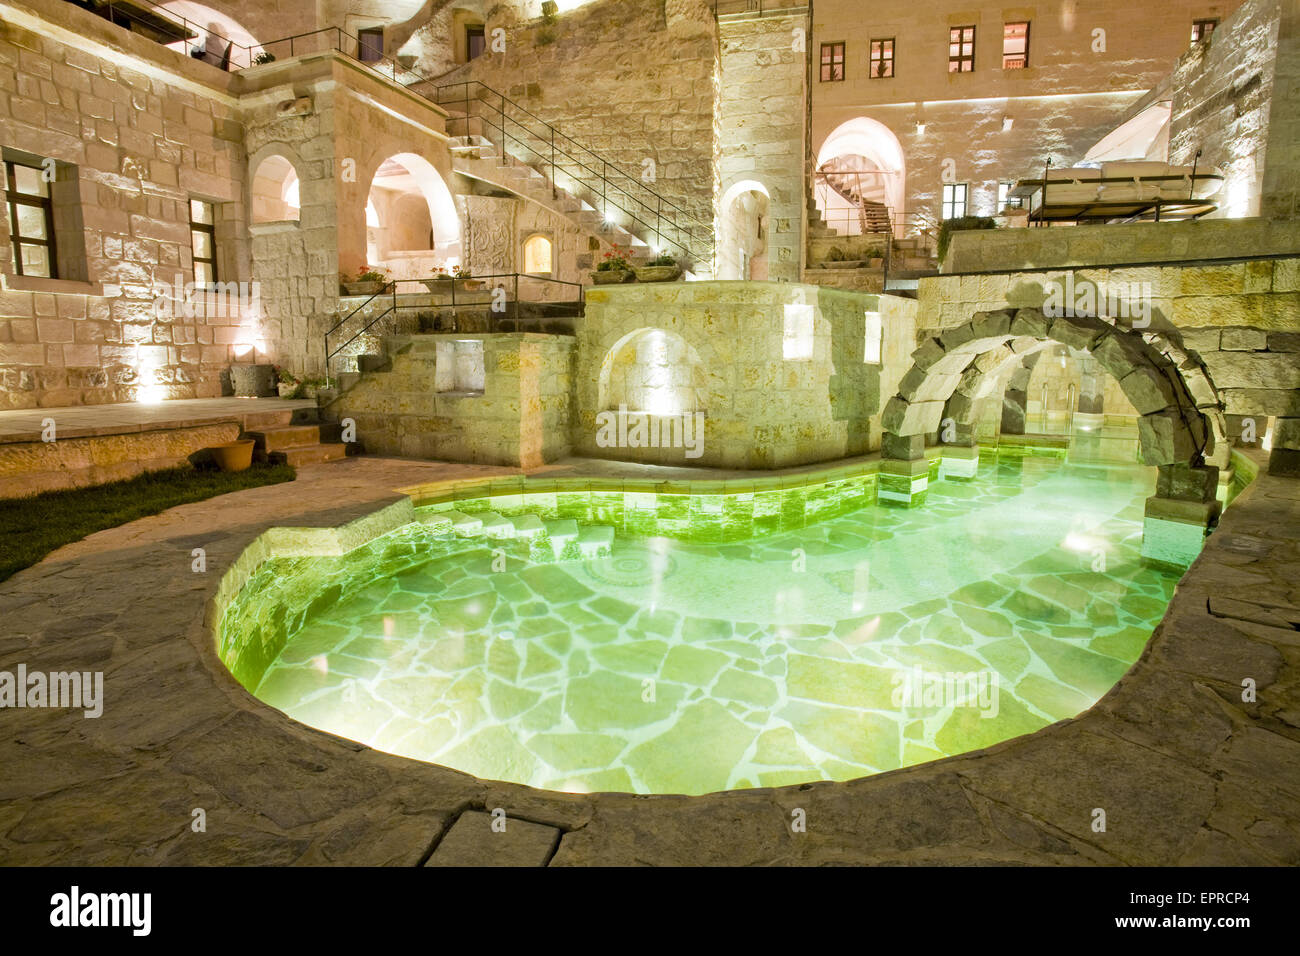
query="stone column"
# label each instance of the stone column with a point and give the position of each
(904, 471)
(1284, 458)
(1179, 513)
(960, 457)
(1015, 397)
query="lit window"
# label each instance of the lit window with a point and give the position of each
(370, 45)
(872, 346)
(882, 58)
(797, 339)
(832, 62)
(537, 256)
(1015, 45)
(961, 50)
(1006, 200)
(31, 219)
(203, 241)
(1201, 29)
(954, 200)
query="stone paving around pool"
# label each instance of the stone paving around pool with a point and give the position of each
(1188, 769)
(423, 645)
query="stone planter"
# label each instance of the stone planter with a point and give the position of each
(613, 276)
(658, 273)
(877, 261)
(363, 288)
(288, 389)
(234, 455)
(445, 285)
(253, 381)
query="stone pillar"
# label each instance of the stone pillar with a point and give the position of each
(904, 472)
(1284, 458)
(960, 457)
(1015, 397)
(1179, 514)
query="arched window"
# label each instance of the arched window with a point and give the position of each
(538, 260)
(275, 191)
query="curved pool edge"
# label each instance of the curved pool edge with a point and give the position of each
(1148, 752)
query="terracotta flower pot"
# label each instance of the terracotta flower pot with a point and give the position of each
(233, 456)
(613, 276)
(657, 273)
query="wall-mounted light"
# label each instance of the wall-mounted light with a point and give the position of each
(920, 129)
(1007, 123)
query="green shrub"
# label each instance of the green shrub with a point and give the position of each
(960, 224)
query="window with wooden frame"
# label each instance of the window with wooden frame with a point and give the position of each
(1015, 45)
(1006, 200)
(832, 62)
(1201, 29)
(961, 49)
(203, 241)
(954, 200)
(370, 44)
(31, 219)
(475, 41)
(882, 59)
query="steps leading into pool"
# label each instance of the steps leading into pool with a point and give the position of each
(568, 540)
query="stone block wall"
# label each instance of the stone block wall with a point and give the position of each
(737, 336)
(628, 79)
(1223, 95)
(521, 417)
(762, 127)
(142, 130)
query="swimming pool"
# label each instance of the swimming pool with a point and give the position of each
(870, 640)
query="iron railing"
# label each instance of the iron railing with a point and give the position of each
(613, 192)
(498, 295)
(755, 8)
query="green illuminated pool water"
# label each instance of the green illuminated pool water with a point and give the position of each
(1004, 604)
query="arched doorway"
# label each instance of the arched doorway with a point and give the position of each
(860, 177)
(742, 248)
(411, 220)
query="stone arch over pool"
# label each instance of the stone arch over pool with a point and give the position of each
(1181, 429)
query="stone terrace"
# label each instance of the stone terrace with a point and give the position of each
(1186, 771)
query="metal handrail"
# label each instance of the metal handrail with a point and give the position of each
(118, 9)
(391, 289)
(612, 186)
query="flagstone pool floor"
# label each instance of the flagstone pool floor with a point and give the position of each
(1189, 766)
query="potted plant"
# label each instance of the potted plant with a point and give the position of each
(613, 269)
(662, 268)
(288, 386)
(368, 281)
(253, 381)
(233, 455)
(263, 57)
(311, 387)
(465, 279)
(439, 280)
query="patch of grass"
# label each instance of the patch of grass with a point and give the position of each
(32, 527)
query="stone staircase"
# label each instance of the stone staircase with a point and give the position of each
(297, 438)
(549, 539)
(478, 158)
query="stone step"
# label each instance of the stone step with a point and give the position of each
(596, 541)
(527, 526)
(373, 363)
(286, 436)
(256, 420)
(310, 454)
(463, 524)
(495, 526)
